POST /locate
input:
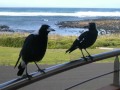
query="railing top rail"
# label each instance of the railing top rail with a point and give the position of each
(36, 76)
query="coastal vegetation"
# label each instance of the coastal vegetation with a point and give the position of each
(58, 41)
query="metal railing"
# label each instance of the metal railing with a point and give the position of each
(53, 70)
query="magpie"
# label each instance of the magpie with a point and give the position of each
(85, 40)
(34, 49)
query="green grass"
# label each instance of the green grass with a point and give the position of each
(8, 56)
(10, 46)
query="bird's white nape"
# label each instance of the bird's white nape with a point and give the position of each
(36, 32)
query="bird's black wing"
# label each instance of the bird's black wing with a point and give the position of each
(77, 42)
(73, 47)
(26, 43)
(28, 40)
(82, 37)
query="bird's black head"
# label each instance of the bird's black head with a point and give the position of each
(92, 26)
(45, 29)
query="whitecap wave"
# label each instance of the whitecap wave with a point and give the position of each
(76, 14)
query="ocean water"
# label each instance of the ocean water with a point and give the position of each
(32, 18)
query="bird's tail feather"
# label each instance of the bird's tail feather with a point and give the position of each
(21, 70)
(68, 51)
(18, 60)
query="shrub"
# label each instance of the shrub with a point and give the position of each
(60, 42)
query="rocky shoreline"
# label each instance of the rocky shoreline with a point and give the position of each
(112, 25)
(4, 29)
(104, 25)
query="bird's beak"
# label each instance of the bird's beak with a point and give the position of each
(50, 29)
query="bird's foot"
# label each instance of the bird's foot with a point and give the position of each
(90, 57)
(85, 58)
(41, 70)
(27, 76)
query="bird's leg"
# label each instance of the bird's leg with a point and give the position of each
(39, 68)
(89, 55)
(83, 55)
(29, 76)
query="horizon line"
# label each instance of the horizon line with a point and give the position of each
(60, 7)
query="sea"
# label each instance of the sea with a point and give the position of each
(31, 19)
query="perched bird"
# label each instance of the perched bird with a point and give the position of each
(85, 40)
(33, 49)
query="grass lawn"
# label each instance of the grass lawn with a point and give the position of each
(9, 56)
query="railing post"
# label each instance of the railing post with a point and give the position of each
(116, 72)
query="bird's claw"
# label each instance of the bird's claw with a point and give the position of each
(90, 57)
(85, 58)
(27, 76)
(42, 71)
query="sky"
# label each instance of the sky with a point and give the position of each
(61, 3)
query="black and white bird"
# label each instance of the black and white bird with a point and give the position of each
(85, 40)
(33, 49)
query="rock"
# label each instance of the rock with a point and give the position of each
(112, 25)
(5, 28)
